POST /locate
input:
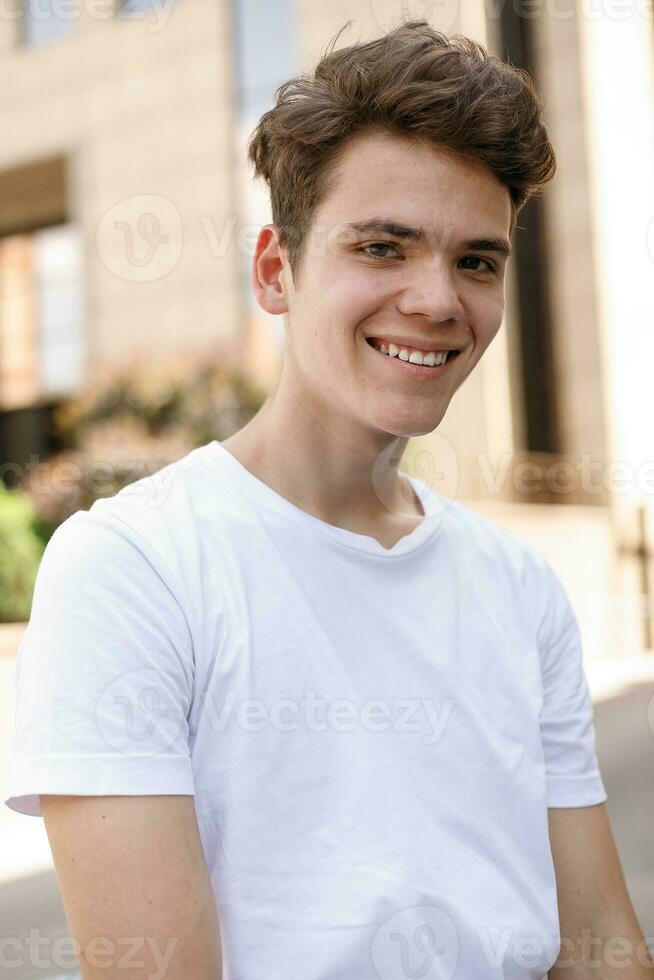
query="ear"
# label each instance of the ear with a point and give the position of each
(269, 271)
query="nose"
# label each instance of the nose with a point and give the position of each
(432, 291)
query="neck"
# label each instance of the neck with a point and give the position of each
(343, 476)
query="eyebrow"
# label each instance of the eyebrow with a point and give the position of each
(385, 225)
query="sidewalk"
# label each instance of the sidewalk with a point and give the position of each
(610, 676)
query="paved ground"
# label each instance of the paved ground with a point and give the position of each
(33, 902)
(624, 723)
(625, 749)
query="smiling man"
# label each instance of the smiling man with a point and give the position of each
(308, 718)
(378, 302)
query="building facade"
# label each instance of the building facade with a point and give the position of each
(129, 218)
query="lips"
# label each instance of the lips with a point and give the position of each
(414, 344)
(419, 372)
(452, 352)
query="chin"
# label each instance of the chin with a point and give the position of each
(410, 429)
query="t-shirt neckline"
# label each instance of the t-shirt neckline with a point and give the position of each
(264, 494)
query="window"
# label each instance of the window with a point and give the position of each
(135, 6)
(264, 51)
(265, 55)
(47, 20)
(41, 349)
(58, 285)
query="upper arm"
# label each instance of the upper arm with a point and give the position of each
(105, 671)
(591, 888)
(133, 879)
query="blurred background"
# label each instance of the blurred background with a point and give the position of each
(129, 333)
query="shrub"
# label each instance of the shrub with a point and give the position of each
(21, 549)
(130, 421)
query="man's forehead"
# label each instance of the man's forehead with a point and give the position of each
(452, 192)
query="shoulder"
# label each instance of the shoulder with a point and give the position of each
(140, 539)
(493, 544)
(159, 500)
(154, 515)
(501, 562)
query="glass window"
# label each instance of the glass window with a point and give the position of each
(265, 55)
(265, 51)
(134, 6)
(47, 20)
(41, 320)
(58, 287)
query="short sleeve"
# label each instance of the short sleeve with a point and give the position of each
(572, 772)
(104, 673)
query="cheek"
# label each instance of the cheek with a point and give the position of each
(344, 318)
(487, 318)
(359, 296)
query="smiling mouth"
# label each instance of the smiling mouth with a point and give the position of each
(408, 352)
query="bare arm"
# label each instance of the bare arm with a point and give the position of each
(135, 886)
(600, 934)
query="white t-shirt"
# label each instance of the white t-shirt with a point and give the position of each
(372, 736)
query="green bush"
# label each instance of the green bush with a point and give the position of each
(21, 549)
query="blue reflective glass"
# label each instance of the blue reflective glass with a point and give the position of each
(132, 6)
(265, 51)
(47, 20)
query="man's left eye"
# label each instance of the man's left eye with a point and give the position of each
(377, 245)
(477, 258)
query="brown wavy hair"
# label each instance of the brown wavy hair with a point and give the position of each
(414, 81)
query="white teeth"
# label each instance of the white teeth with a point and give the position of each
(430, 359)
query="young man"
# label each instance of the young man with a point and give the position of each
(369, 697)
